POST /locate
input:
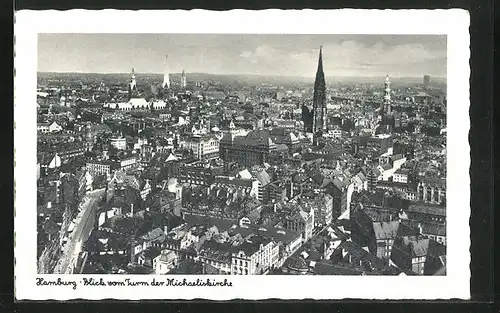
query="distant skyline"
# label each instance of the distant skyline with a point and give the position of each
(268, 55)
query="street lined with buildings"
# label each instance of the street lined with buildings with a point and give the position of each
(206, 174)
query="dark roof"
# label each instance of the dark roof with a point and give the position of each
(434, 181)
(252, 245)
(358, 253)
(222, 224)
(385, 230)
(406, 248)
(426, 208)
(151, 252)
(297, 263)
(433, 229)
(327, 268)
(428, 247)
(255, 138)
(278, 234)
(386, 166)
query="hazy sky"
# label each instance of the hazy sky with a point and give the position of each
(280, 55)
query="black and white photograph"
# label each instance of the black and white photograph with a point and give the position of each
(228, 154)
(288, 155)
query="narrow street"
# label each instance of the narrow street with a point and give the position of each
(84, 223)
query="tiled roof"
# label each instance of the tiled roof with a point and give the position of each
(386, 230)
(425, 208)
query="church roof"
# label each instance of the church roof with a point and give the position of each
(138, 102)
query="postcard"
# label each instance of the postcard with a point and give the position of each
(276, 154)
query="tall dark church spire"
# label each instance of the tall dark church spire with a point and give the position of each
(320, 75)
(319, 98)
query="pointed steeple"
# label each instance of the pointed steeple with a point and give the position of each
(320, 75)
(320, 60)
(319, 98)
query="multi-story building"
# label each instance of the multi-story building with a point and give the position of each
(285, 137)
(158, 105)
(252, 149)
(253, 256)
(400, 176)
(119, 143)
(290, 125)
(219, 259)
(43, 127)
(341, 191)
(381, 142)
(198, 174)
(335, 133)
(203, 147)
(127, 163)
(75, 151)
(299, 183)
(301, 221)
(431, 190)
(49, 127)
(275, 191)
(322, 205)
(101, 167)
(245, 187)
(424, 212)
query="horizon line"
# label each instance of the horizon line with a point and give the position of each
(240, 74)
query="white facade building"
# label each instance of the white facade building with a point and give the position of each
(203, 147)
(119, 143)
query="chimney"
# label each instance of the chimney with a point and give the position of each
(165, 229)
(419, 228)
(132, 209)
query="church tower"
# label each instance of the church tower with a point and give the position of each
(183, 80)
(386, 105)
(319, 100)
(132, 86)
(133, 83)
(387, 121)
(166, 74)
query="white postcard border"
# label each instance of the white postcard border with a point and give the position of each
(454, 23)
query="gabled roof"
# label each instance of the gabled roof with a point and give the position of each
(171, 157)
(338, 183)
(138, 102)
(263, 177)
(256, 138)
(428, 247)
(386, 166)
(151, 252)
(156, 234)
(303, 215)
(245, 174)
(425, 208)
(386, 230)
(397, 157)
